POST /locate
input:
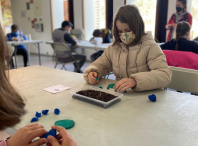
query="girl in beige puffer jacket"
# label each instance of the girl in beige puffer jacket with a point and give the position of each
(134, 57)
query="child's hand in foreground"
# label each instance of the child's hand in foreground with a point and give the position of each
(92, 78)
(25, 135)
(125, 84)
(63, 138)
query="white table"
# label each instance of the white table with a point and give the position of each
(135, 121)
(28, 42)
(89, 45)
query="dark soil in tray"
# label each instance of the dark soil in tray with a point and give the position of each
(102, 96)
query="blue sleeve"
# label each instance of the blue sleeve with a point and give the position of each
(24, 37)
(9, 37)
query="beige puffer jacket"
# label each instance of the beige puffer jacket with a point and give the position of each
(144, 62)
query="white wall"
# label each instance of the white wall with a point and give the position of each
(26, 26)
(130, 2)
(116, 5)
(78, 19)
(58, 13)
(88, 18)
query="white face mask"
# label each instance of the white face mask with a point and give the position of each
(127, 37)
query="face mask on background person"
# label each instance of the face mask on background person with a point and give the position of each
(179, 9)
(127, 37)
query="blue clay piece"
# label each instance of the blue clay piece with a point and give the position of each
(34, 119)
(38, 115)
(57, 111)
(52, 132)
(152, 97)
(45, 112)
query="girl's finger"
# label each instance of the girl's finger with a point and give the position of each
(122, 86)
(39, 142)
(32, 125)
(59, 137)
(127, 87)
(38, 132)
(36, 127)
(95, 74)
(118, 84)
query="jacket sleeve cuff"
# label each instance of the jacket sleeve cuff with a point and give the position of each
(138, 83)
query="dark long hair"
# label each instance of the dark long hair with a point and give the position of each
(129, 14)
(184, 2)
(11, 102)
(182, 28)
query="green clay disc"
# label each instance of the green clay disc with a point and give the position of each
(67, 124)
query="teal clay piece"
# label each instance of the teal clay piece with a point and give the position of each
(67, 124)
(111, 86)
(101, 87)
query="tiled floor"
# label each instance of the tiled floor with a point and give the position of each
(50, 62)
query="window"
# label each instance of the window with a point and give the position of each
(148, 11)
(6, 15)
(66, 10)
(94, 16)
(194, 12)
(99, 14)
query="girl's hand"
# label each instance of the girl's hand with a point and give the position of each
(92, 78)
(25, 135)
(63, 138)
(125, 84)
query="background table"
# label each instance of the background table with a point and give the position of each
(89, 45)
(28, 42)
(135, 121)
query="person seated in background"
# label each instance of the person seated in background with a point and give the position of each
(21, 49)
(105, 35)
(96, 34)
(62, 35)
(181, 43)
